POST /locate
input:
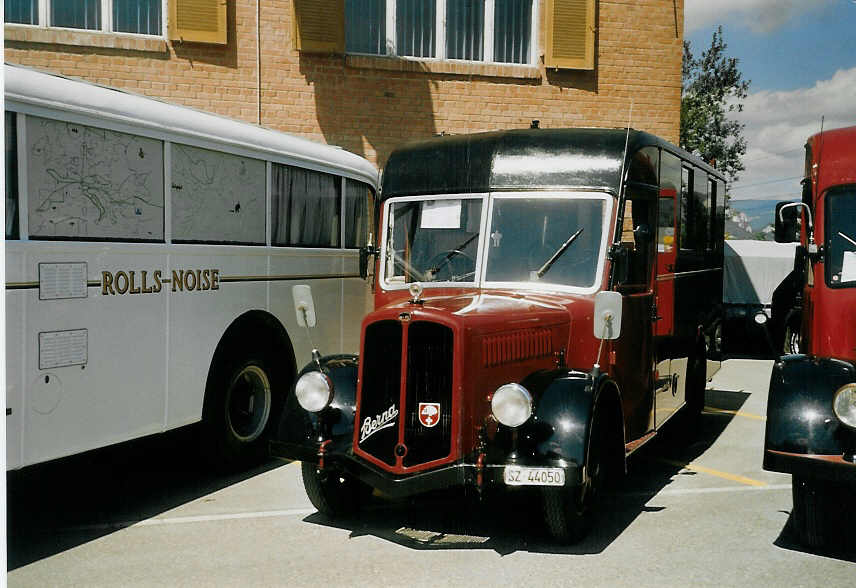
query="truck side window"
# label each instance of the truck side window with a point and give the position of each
(637, 237)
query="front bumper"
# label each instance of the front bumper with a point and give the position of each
(822, 467)
(458, 474)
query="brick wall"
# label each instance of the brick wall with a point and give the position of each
(369, 105)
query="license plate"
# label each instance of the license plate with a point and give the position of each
(520, 476)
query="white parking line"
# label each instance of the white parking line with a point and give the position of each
(714, 490)
(195, 519)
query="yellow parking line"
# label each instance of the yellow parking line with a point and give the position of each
(748, 415)
(724, 475)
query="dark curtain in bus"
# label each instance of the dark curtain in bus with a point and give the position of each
(306, 207)
(358, 211)
(11, 176)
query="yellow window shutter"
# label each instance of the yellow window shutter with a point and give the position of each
(570, 34)
(198, 21)
(318, 26)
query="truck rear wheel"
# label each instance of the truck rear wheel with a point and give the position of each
(332, 493)
(811, 516)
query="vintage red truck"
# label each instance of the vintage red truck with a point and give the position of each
(811, 410)
(545, 301)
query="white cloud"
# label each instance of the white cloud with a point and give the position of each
(761, 16)
(777, 126)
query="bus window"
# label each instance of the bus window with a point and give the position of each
(687, 240)
(217, 197)
(711, 207)
(93, 184)
(359, 214)
(11, 176)
(306, 207)
(670, 185)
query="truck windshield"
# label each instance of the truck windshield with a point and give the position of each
(526, 232)
(841, 237)
(433, 240)
(440, 240)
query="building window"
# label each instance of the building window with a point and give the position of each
(498, 31)
(143, 17)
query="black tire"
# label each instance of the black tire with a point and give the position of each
(569, 511)
(331, 493)
(812, 514)
(243, 402)
(793, 339)
(694, 389)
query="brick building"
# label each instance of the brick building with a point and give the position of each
(369, 74)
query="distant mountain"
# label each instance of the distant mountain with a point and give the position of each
(744, 219)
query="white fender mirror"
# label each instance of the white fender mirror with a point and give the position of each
(304, 307)
(607, 315)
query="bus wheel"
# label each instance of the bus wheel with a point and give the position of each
(332, 493)
(569, 510)
(811, 513)
(242, 403)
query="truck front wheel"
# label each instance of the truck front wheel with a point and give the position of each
(569, 510)
(332, 493)
(813, 502)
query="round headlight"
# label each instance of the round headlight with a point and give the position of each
(314, 391)
(844, 405)
(511, 405)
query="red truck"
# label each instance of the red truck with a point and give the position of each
(546, 300)
(811, 411)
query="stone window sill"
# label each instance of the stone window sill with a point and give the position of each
(33, 34)
(463, 68)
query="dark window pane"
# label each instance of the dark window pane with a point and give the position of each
(359, 214)
(465, 29)
(414, 24)
(840, 236)
(700, 211)
(365, 26)
(306, 207)
(11, 176)
(21, 11)
(512, 29)
(137, 16)
(76, 14)
(686, 240)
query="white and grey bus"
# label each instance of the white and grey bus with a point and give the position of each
(150, 255)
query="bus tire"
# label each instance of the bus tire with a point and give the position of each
(813, 502)
(242, 405)
(332, 493)
(793, 339)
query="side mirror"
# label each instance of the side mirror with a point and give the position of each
(607, 315)
(365, 253)
(304, 306)
(787, 223)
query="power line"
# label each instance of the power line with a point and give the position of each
(766, 182)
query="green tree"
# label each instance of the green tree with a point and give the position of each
(712, 88)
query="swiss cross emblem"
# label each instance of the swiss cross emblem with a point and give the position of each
(429, 413)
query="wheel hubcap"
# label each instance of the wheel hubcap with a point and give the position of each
(248, 403)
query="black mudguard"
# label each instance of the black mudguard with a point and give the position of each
(300, 433)
(800, 418)
(561, 423)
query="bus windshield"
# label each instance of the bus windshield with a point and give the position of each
(530, 239)
(841, 237)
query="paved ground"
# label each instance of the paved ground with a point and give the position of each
(149, 515)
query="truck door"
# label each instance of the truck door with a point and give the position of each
(670, 366)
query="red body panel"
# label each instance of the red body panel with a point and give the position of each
(829, 323)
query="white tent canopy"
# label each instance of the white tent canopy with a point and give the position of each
(753, 270)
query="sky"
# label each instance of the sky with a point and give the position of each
(800, 56)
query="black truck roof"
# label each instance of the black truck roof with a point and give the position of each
(517, 159)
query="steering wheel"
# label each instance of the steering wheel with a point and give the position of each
(450, 266)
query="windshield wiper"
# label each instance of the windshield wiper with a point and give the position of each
(846, 237)
(559, 252)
